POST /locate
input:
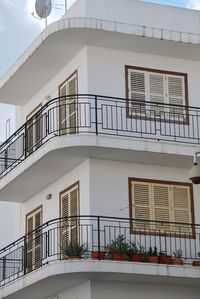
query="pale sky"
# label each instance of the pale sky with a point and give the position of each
(18, 28)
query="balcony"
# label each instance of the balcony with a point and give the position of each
(49, 245)
(93, 115)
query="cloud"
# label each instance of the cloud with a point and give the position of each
(194, 4)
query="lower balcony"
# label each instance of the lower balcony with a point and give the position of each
(97, 244)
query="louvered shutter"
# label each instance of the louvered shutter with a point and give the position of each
(182, 208)
(72, 84)
(137, 91)
(62, 110)
(156, 85)
(176, 96)
(161, 203)
(65, 222)
(38, 240)
(34, 240)
(141, 204)
(69, 208)
(29, 243)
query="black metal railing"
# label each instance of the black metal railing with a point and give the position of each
(95, 233)
(100, 115)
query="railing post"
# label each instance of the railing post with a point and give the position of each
(25, 255)
(25, 141)
(98, 237)
(96, 115)
(4, 268)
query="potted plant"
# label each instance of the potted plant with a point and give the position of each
(164, 258)
(118, 248)
(177, 260)
(137, 252)
(73, 250)
(98, 254)
(152, 255)
(196, 263)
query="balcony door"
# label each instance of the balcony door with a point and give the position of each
(68, 106)
(33, 240)
(69, 210)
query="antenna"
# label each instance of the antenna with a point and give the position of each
(43, 9)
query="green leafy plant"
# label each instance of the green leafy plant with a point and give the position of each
(119, 245)
(178, 253)
(152, 252)
(73, 249)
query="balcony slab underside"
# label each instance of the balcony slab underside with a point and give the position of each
(60, 155)
(68, 274)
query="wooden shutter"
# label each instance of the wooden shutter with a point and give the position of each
(137, 91)
(69, 207)
(176, 96)
(165, 204)
(34, 239)
(182, 208)
(68, 106)
(161, 206)
(141, 204)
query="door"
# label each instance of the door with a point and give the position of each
(69, 210)
(68, 106)
(34, 240)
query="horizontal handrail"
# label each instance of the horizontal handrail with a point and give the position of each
(95, 233)
(100, 115)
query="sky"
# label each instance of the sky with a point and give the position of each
(18, 28)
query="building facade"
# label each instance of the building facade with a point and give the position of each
(108, 122)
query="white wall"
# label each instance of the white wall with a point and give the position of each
(140, 13)
(10, 214)
(118, 290)
(82, 291)
(109, 185)
(106, 70)
(78, 63)
(51, 207)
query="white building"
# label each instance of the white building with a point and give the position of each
(109, 120)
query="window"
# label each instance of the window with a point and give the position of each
(68, 105)
(34, 239)
(69, 208)
(162, 202)
(154, 92)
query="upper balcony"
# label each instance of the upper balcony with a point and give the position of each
(54, 251)
(82, 126)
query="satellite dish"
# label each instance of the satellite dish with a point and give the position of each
(43, 8)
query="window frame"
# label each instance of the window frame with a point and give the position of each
(163, 72)
(168, 183)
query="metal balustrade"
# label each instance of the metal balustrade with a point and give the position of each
(100, 115)
(48, 242)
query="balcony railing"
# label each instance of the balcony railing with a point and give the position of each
(100, 115)
(48, 242)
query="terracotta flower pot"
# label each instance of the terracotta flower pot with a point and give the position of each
(98, 255)
(177, 261)
(165, 259)
(136, 257)
(196, 263)
(118, 256)
(153, 259)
